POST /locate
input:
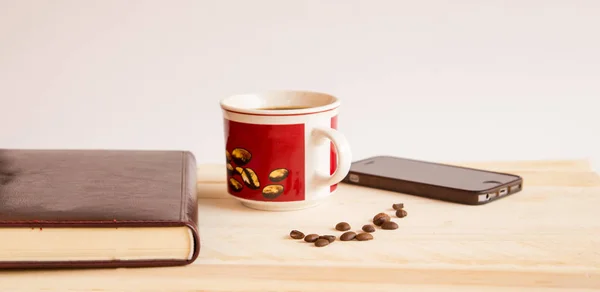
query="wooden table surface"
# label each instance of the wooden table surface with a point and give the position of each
(546, 238)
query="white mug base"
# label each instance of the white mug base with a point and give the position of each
(280, 206)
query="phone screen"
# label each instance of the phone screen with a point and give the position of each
(431, 173)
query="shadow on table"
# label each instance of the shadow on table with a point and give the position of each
(211, 190)
(215, 195)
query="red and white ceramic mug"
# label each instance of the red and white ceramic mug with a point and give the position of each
(283, 149)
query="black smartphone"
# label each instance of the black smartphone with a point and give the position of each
(433, 180)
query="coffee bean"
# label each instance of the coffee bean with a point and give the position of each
(331, 238)
(278, 175)
(381, 218)
(311, 237)
(241, 156)
(239, 170)
(368, 228)
(272, 191)
(390, 225)
(401, 213)
(347, 236)
(227, 156)
(295, 234)
(398, 206)
(342, 226)
(230, 170)
(250, 178)
(363, 236)
(235, 185)
(322, 242)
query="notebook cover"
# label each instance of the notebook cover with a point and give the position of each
(98, 188)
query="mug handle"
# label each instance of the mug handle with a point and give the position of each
(344, 155)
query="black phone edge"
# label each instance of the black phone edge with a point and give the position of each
(433, 191)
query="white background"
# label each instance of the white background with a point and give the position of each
(434, 80)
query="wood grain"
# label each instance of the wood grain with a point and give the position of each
(546, 238)
(212, 277)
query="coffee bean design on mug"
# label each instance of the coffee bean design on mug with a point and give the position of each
(278, 175)
(241, 156)
(265, 162)
(273, 191)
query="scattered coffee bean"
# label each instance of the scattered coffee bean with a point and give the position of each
(342, 226)
(381, 218)
(368, 228)
(363, 236)
(389, 225)
(347, 236)
(330, 238)
(401, 213)
(295, 234)
(398, 206)
(311, 237)
(321, 242)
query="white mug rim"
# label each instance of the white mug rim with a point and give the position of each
(333, 103)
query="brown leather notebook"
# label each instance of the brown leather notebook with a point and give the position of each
(97, 208)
